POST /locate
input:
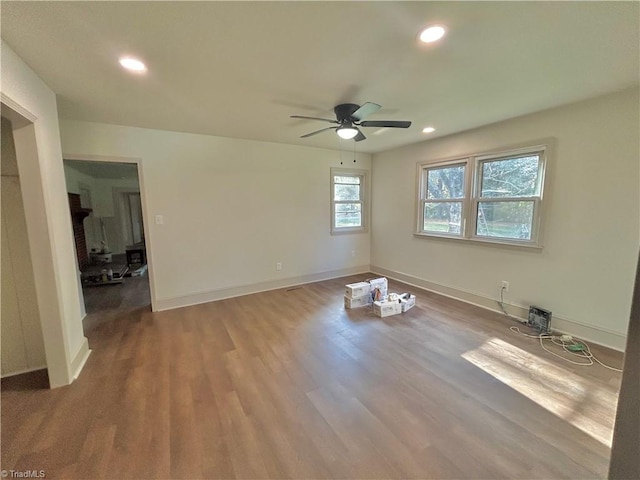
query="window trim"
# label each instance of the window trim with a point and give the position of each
(423, 196)
(471, 200)
(364, 199)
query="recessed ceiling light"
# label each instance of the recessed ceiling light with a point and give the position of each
(432, 34)
(428, 130)
(133, 64)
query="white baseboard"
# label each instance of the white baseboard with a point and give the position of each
(76, 366)
(79, 359)
(590, 333)
(236, 291)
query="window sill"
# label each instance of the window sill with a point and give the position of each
(346, 231)
(481, 241)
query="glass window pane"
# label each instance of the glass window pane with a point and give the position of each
(348, 215)
(514, 177)
(351, 180)
(512, 220)
(346, 192)
(445, 182)
(443, 217)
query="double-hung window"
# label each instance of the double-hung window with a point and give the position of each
(348, 200)
(442, 202)
(494, 197)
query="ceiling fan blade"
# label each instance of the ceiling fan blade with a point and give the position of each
(385, 123)
(359, 137)
(317, 131)
(365, 109)
(313, 118)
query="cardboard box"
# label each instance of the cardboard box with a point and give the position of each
(386, 309)
(408, 303)
(356, 302)
(359, 289)
(379, 288)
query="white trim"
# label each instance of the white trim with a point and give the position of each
(471, 198)
(19, 109)
(505, 154)
(423, 196)
(365, 199)
(79, 359)
(239, 290)
(601, 336)
(476, 197)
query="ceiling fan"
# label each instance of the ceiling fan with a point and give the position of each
(350, 116)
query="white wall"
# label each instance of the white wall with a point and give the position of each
(75, 178)
(111, 207)
(584, 274)
(21, 333)
(232, 209)
(39, 157)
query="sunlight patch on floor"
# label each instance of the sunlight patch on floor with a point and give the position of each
(574, 399)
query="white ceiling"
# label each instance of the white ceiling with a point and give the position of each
(239, 69)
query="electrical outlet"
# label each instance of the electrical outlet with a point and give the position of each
(504, 285)
(278, 266)
(353, 253)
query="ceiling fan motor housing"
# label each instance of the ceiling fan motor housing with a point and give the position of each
(345, 111)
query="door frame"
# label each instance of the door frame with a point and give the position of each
(63, 365)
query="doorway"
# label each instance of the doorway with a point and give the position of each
(109, 229)
(21, 331)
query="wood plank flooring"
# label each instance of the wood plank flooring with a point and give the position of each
(289, 384)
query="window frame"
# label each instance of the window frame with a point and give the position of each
(364, 200)
(472, 195)
(423, 169)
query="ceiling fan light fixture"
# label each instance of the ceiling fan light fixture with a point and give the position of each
(432, 33)
(347, 132)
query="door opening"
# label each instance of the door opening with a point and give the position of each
(106, 205)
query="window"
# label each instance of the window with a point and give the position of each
(442, 202)
(348, 200)
(491, 197)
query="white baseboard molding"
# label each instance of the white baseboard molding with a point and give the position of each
(24, 370)
(79, 360)
(590, 333)
(237, 291)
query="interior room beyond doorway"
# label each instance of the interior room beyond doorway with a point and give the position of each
(108, 226)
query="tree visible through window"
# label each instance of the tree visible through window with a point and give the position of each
(509, 190)
(501, 202)
(348, 200)
(442, 208)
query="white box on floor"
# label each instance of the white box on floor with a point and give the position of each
(359, 289)
(355, 302)
(408, 303)
(386, 309)
(379, 288)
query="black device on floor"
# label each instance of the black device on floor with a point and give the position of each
(539, 319)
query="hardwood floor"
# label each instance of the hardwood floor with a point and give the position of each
(289, 384)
